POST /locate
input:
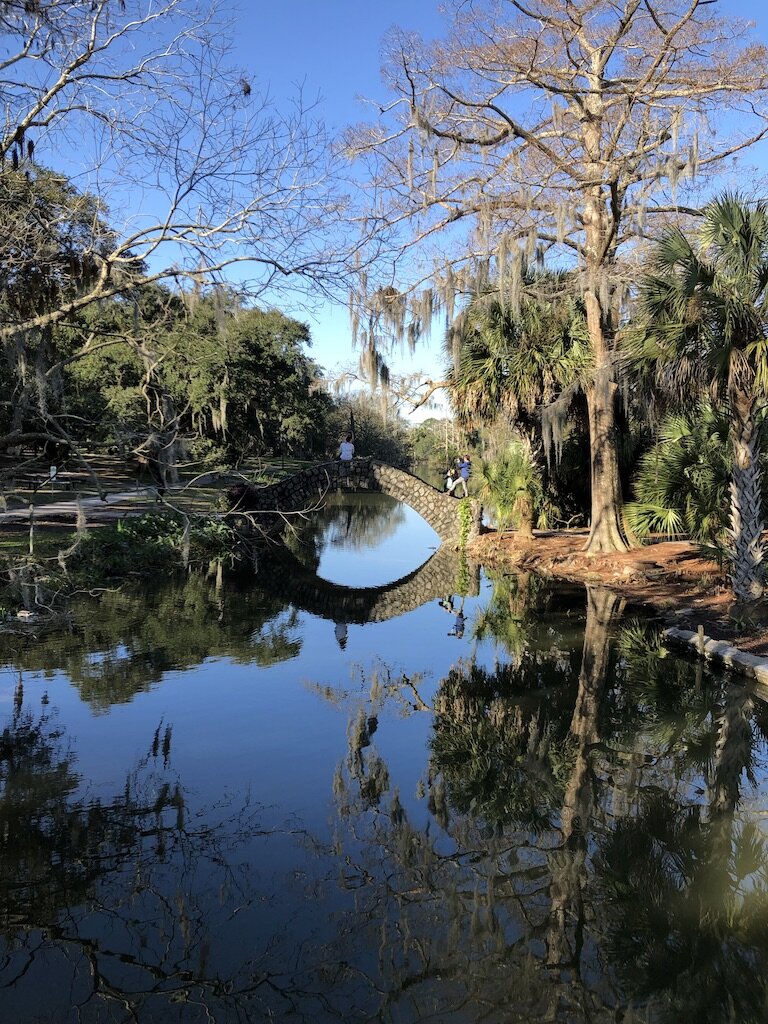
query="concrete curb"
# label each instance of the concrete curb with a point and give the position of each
(719, 653)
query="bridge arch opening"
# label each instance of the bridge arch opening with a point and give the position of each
(442, 511)
(297, 584)
(363, 539)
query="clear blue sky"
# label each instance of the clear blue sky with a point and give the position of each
(332, 49)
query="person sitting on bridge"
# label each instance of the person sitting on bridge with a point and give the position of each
(346, 449)
(453, 480)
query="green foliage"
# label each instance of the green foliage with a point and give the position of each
(240, 378)
(431, 445)
(55, 236)
(465, 521)
(148, 545)
(57, 233)
(513, 361)
(512, 487)
(246, 379)
(705, 304)
(682, 482)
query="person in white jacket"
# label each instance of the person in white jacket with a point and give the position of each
(346, 449)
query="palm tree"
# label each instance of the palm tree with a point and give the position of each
(705, 319)
(511, 360)
(511, 484)
(682, 481)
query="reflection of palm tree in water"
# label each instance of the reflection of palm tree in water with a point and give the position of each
(506, 618)
(733, 751)
(695, 939)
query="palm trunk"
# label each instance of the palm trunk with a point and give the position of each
(524, 509)
(747, 548)
(733, 751)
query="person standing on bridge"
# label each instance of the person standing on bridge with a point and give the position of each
(346, 454)
(453, 480)
(459, 622)
(465, 469)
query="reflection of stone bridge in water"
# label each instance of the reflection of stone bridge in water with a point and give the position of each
(442, 574)
(303, 489)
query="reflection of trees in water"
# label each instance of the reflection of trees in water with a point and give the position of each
(131, 636)
(525, 613)
(110, 905)
(688, 926)
(503, 755)
(567, 921)
(351, 520)
(587, 859)
(42, 857)
(688, 881)
(577, 854)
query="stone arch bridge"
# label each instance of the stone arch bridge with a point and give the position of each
(445, 573)
(264, 507)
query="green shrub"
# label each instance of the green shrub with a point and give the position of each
(682, 482)
(511, 485)
(149, 544)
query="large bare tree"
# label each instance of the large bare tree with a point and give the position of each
(132, 152)
(560, 129)
(136, 101)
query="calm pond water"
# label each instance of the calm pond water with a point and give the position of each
(357, 787)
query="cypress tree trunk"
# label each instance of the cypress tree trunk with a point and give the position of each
(747, 548)
(568, 863)
(606, 531)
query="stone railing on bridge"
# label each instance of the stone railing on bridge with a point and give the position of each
(307, 488)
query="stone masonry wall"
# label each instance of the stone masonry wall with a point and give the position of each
(300, 586)
(310, 485)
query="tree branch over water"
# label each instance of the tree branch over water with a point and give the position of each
(194, 166)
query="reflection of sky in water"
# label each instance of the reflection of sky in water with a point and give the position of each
(392, 548)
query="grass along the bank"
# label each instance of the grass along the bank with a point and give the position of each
(24, 484)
